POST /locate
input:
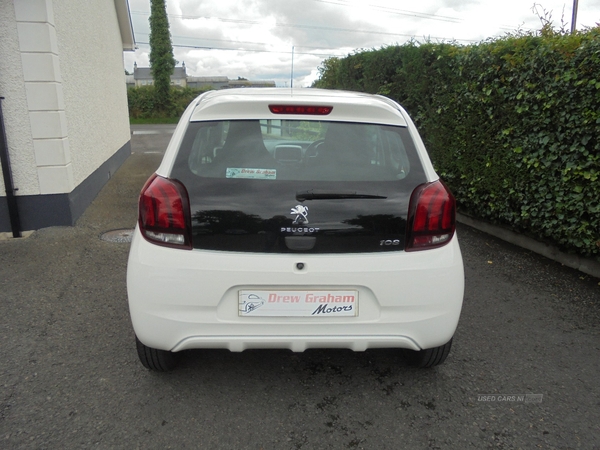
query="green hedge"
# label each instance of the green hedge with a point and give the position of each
(143, 104)
(512, 125)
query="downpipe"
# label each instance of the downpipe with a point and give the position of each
(13, 210)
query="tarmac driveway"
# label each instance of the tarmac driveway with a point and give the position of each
(523, 372)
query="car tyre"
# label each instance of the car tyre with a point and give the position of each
(429, 357)
(154, 359)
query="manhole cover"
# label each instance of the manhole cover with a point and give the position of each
(119, 236)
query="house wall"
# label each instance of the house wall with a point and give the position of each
(95, 94)
(65, 111)
(14, 107)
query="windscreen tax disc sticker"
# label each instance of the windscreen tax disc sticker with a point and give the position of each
(252, 174)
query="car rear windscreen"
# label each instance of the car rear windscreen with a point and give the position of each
(298, 185)
(296, 150)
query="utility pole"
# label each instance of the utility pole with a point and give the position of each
(292, 76)
(574, 18)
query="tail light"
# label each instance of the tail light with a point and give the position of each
(431, 217)
(164, 213)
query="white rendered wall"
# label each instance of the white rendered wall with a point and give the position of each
(41, 67)
(93, 79)
(62, 76)
(15, 108)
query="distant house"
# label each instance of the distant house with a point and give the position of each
(142, 76)
(241, 83)
(65, 109)
(214, 82)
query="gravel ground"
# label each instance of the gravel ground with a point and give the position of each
(70, 375)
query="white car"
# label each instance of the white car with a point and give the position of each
(295, 219)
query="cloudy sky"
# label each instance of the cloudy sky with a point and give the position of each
(262, 39)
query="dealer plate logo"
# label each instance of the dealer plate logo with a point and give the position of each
(298, 303)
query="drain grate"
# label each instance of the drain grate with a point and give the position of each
(119, 236)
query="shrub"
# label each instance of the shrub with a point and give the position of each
(512, 125)
(143, 104)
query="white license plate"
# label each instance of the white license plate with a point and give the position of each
(298, 303)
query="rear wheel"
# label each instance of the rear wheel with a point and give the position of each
(154, 359)
(430, 356)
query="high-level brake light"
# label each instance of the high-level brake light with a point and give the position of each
(431, 217)
(309, 110)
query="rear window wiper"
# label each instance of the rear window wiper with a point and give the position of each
(326, 195)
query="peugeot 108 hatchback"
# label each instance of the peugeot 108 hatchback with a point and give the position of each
(295, 219)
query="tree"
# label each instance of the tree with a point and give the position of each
(328, 74)
(162, 61)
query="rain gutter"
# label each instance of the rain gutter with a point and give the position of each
(13, 211)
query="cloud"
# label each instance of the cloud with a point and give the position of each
(254, 38)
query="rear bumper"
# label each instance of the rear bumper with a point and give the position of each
(182, 299)
(296, 343)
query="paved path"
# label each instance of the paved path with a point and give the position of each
(70, 377)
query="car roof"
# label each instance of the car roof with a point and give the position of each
(253, 103)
